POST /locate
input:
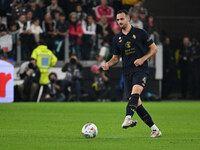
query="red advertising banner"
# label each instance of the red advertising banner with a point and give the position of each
(6, 82)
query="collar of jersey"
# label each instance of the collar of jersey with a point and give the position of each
(130, 32)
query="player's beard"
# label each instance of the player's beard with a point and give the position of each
(123, 26)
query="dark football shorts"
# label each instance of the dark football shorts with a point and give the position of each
(130, 80)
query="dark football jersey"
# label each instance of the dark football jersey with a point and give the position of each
(132, 46)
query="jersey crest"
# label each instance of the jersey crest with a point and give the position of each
(128, 44)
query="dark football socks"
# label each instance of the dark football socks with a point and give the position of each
(132, 104)
(144, 115)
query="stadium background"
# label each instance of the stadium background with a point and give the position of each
(177, 19)
(174, 22)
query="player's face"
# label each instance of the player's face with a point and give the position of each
(122, 20)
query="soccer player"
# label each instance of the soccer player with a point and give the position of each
(135, 47)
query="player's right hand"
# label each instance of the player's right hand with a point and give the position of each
(105, 66)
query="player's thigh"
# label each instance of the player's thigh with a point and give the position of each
(138, 82)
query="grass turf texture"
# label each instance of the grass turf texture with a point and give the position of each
(57, 126)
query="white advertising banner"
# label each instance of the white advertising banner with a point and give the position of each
(159, 63)
(6, 82)
(6, 42)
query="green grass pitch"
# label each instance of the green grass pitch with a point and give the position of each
(57, 126)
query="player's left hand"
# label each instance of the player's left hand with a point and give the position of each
(138, 62)
(105, 67)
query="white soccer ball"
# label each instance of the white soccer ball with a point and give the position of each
(89, 130)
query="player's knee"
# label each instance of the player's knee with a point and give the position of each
(137, 89)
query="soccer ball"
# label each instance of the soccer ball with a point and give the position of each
(89, 130)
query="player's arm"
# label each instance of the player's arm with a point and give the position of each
(113, 61)
(153, 50)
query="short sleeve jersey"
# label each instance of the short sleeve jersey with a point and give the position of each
(132, 46)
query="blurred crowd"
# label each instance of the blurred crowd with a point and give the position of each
(88, 26)
(181, 67)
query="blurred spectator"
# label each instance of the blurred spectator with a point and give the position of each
(151, 27)
(69, 6)
(115, 27)
(56, 16)
(2, 25)
(135, 21)
(104, 9)
(89, 5)
(46, 2)
(194, 72)
(53, 7)
(81, 15)
(135, 8)
(18, 10)
(62, 30)
(104, 53)
(127, 4)
(14, 27)
(53, 92)
(13, 31)
(100, 87)
(49, 28)
(72, 80)
(75, 36)
(29, 17)
(26, 37)
(103, 31)
(89, 29)
(36, 30)
(184, 64)
(143, 13)
(5, 7)
(3, 30)
(45, 60)
(169, 69)
(43, 5)
(35, 8)
(62, 27)
(31, 75)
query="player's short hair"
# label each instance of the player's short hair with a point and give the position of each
(122, 11)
